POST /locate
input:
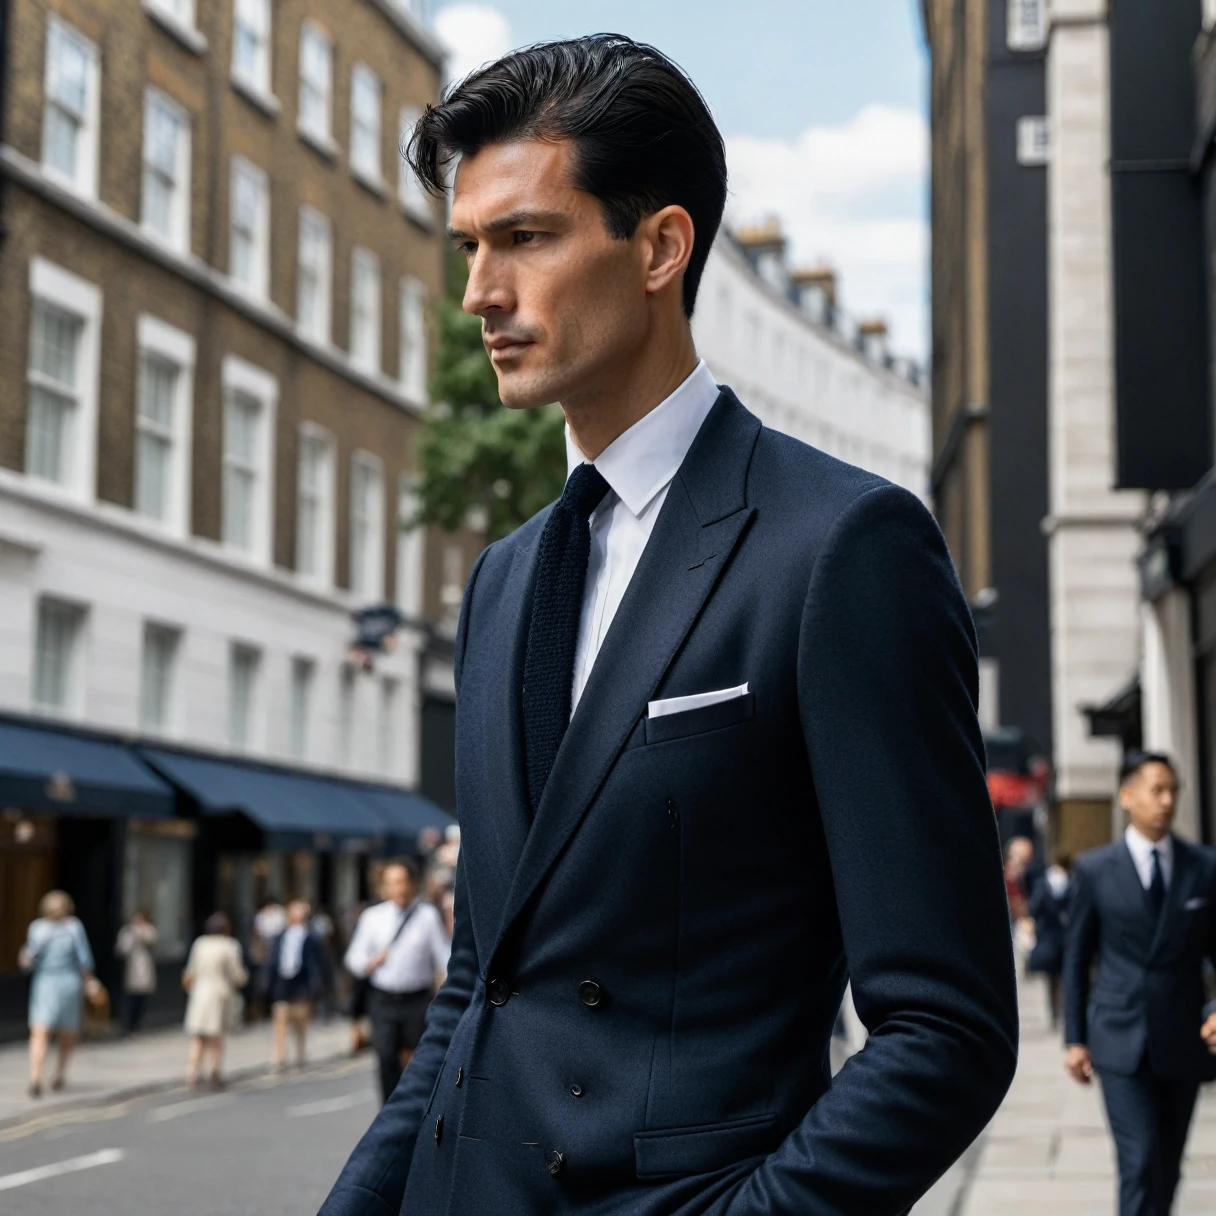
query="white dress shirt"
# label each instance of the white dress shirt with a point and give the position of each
(1141, 849)
(638, 466)
(291, 953)
(414, 959)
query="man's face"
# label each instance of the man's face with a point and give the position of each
(396, 885)
(297, 912)
(559, 298)
(1149, 797)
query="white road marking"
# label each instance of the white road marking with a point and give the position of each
(107, 1156)
(328, 1106)
(162, 1114)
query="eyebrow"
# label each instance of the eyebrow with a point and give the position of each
(516, 219)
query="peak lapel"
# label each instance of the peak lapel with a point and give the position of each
(697, 530)
(1175, 893)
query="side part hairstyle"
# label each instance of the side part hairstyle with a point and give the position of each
(643, 135)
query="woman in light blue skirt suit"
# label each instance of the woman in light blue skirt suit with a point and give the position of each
(57, 951)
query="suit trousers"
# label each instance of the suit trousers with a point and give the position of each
(1149, 1117)
(398, 1021)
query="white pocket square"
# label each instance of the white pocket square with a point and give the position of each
(698, 700)
(1200, 901)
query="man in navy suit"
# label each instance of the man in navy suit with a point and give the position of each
(1144, 911)
(717, 633)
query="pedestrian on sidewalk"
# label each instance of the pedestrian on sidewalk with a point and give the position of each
(136, 945)
(268, 922)
(295, 981)
(57, 951)
(1144, 910)
(214, 977)
(400, 948)
(1048, 907)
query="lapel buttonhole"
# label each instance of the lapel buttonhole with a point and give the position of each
(702, 560)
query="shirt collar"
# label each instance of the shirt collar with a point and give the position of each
(1141, 848)
(638, 463)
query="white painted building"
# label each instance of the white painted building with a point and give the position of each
(774, 343)
(1093, 531)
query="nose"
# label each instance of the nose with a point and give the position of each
(489, 288)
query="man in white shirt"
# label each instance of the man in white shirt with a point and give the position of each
(1144, 911)
(400, 947)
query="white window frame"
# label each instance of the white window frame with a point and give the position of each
(178, 235)
(171, 722)
(319, 328)
(369, 170)
(259, 283)
(76, 665)
(84, 180)
(1033, 139)
(257, 78)
(323, 576)
(63, 290)
(238, 376)
(366, 563)
(414, 200)
(365, 347)
(253, 734)
(180, 19)
(413, 354)
(321, 133)
(1026, 25)
(157, 338)
(411, 549)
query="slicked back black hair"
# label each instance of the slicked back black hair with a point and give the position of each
(1133, 762)
(643, 135)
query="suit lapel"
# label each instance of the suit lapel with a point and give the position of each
(1175, 893)
(490, 869)
(698, 528)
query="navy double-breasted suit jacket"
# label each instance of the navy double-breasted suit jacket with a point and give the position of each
(1148, 999)
(644, 978)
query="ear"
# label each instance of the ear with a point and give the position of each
(669, 239)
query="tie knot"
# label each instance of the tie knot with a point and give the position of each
(585, 489)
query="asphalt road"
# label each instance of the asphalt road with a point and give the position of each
(271, 1147)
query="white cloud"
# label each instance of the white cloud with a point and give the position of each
(472, 35)
(849, 195)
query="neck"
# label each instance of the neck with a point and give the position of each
(1156, 835)
(627, 392)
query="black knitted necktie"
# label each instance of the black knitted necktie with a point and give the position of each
(557, 602)
(1156, 888)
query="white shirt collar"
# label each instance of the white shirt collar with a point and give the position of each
(638, 463)
(1141, 849)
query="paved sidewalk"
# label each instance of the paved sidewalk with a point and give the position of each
(1047, 1152)
(109, 1070)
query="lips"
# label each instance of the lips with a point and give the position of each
(503, 348)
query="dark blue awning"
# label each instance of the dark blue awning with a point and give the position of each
(404, 814)
(43, 768)
(294, 810)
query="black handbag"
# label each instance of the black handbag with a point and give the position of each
(356, 1006)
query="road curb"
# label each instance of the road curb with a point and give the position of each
(130, 1093)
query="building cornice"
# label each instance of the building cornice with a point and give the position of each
(104, 219)
(414, 32)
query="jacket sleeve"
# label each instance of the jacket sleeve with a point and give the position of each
(1079, 949)
(373, 1181)
(888, 685)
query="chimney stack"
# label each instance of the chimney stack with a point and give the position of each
(815, 290)
(872, 339)
(764, 245)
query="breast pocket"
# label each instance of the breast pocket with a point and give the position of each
(700, 721)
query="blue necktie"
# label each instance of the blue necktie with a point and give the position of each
(557, 603)
(1156, 886)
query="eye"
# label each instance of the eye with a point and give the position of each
(468, 248)
(524, 238)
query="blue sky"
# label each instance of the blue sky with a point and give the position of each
(822, 103)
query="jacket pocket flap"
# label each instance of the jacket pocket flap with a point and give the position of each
(705, 1147)
(699, 721)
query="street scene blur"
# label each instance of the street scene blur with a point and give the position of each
(251, 448)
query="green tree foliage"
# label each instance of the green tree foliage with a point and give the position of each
(476, 456)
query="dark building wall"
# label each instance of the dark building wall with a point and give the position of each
(1019, 634)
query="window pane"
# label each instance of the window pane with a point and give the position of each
(62, 133)
(241, 430)
(156, 879)
(162, 130)
(156, 677)
(157, 391)
(243, 665)
(154, 454)
(55, 655)
(69, 72)
(56, 344)
(238, 508)
(301, 705)
(49, 437)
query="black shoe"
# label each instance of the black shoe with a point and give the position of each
(57, 1084)
(35, 1089)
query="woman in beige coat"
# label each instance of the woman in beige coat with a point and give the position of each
(213, 977)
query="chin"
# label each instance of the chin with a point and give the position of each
(521, 390)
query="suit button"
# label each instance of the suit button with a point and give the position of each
(555, 1162)
(459, 1076)
(590, 993)
(439, 1129)
(577, 1090)
(499, 992)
